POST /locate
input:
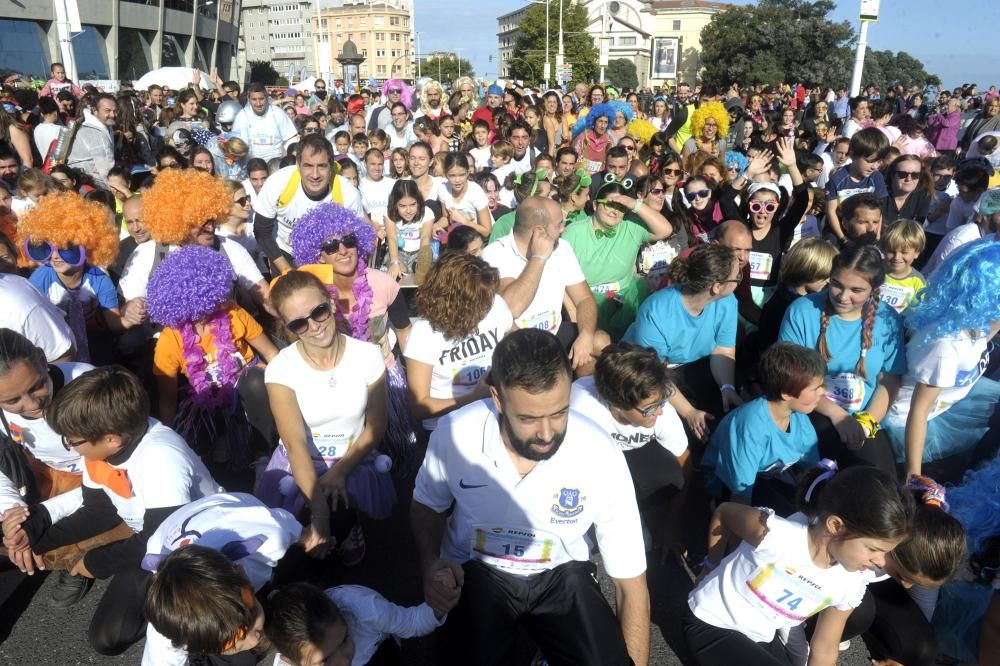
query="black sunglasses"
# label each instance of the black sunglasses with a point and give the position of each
(319, 314)
(242, 201)
(332, 246)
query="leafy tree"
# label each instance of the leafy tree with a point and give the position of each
(775, 41)
(885, 68)
(262, 71)
(621, 73)
(445, 70)
(579, 50)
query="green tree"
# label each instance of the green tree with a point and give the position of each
(579, 50)
(886, 68)
(262, 71)
(445, 70)
(621, 73)
(775, 41)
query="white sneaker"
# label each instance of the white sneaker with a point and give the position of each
(844, 646)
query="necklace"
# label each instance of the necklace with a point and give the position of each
(332, 380)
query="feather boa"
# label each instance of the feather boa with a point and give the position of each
(208, 392)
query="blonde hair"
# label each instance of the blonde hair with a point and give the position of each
(236, 148)
(810, 260)
(904, 234)
(502, 149)
(714, 110)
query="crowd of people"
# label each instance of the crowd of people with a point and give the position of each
(566, 323)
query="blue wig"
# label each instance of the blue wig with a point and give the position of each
(976, 504)
(961, 294)
(324, 222)
(737, 159)
(624, 107)
(603, 110)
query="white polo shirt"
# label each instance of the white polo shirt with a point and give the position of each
(300, 204)
(667, 431)
(562, 269)
(528, 525)
(26, 310)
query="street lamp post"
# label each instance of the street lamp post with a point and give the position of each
(458, 57)
(545, 72)
(418, 54)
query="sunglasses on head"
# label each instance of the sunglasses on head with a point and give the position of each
(74, 255)
(332, 246)
(699, 194)
(908, 175)
(614, 205)
(767, 206)
(319, 314)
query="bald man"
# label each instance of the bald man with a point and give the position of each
(538, 273)
(737, 237)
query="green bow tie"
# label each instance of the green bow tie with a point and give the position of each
(606, 233)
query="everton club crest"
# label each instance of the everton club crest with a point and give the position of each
(569, 503)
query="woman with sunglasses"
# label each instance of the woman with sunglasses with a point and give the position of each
(772, 218)
(328, 396)
(607, 248)
(70, 238)
(692, 326)
(450, 349)
(656, 257)
(236, 225)
(709, 129)
(910, 191)
(701, 197)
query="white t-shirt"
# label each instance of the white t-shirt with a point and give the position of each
(408, 233)
(775, 586)
(535, 523)
(851, 127)
(457, 365)
(523, 165)
(238, 525)
(375, 197)
(951, 242)
(334, 414)
(561, 270)
(300, 204)
(44, 135)
(135, 275)
(471, 202)
(25, 310)
(266, 135)
(953, 363)
(668, 430)
(481, 157)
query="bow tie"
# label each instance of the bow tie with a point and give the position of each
(606, 233)
(114, 479)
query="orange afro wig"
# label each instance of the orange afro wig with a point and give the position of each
(181, 200)
(66, 218)
(714, 110)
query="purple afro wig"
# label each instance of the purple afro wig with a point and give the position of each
(324, 222)
(190, 284)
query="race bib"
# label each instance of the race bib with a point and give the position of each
(331, 448)
(760, 265)
(846, 389)
(896, 296)
(808, 229)
(593, 167)
(472, 372)
(516, 549)
(781, 590)
(656, 258)
(543, 321)
(608, 288)
(262, 139)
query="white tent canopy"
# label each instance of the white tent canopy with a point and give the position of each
(173, 77)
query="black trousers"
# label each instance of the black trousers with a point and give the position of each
(875, 452)
(118, 620)
(562, 609)
(714, 646)
(656, 473)
(253, 399)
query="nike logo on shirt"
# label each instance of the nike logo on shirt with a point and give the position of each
(467, 486)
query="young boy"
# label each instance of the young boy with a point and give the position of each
(501, 154)
(136, 471)
(868, 148)
(341, 144)
(360, 145)
(481, 137)
(902, 244)
(343, 625)
(862, 216)
(750, 453)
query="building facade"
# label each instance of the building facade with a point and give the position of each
(118, 39)
(508, 30)
(683, 20)
(279, 32)
(382, 31)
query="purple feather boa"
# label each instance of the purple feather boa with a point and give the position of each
(208, 392)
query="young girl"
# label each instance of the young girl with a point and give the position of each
(449, 134)
(861, 339)
(787, 570)
(70, 238)
(408, 229)
(464, 203)
(214, 343)
(399, 166)
(945, 405)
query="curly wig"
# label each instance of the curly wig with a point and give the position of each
(597, 111)
(181, 200)
(406, 96)
(642, 130)
(428, 87)
(961, 294)
(188, 285)
(457, 294)
(621, 107)
(714, 110)
(67, 218)
(976, 504)
(321, 224)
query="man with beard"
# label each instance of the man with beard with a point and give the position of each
(10, 168)
(526, 478)
(266, 128)
(537, 272)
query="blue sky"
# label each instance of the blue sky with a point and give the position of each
(953, 38)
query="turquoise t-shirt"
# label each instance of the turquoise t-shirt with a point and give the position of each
(801, 325)
(748, 442)
(678, 337)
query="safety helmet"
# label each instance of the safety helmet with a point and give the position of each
(227, 111)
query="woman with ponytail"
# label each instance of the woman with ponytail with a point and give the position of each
(861, 339)
(945, 405)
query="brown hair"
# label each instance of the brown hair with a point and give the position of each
(289, 283)
(105, 401)
(705, 266)
(457, 294)
(936, 544)
(809, 260)
(788, 369)
(627, 374)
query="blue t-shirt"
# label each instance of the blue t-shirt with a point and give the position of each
(678, 337)
(801, 325)
(748, 442)
(96, 291)
(841, 186)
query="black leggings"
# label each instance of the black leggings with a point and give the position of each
(253, 400)
(714, 646)
(875, 452)
(118, 621)
(655, 473)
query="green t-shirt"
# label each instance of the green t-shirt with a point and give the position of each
(502, 226)
(606, 261)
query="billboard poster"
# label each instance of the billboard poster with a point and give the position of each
(664, 62)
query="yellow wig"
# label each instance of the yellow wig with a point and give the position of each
(181, 200)
(715, 111)
(66, 218)
(641, 130)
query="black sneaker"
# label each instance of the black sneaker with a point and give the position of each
(352, 550)
(69, 590)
